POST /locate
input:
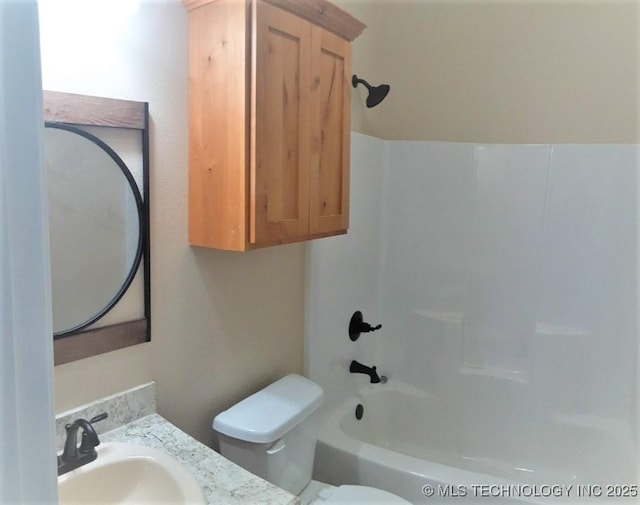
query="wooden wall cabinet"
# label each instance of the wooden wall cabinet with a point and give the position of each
(269, 121)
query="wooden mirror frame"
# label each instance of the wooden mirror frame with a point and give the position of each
(82, 110)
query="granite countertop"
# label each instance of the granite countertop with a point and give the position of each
(223, 482)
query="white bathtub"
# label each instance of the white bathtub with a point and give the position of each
(407, 440)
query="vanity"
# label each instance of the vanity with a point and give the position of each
(132, 419)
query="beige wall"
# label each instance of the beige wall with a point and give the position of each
(226, 324)
(531, 71)
(223, 324)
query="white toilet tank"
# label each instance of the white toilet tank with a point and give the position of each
(273, 432)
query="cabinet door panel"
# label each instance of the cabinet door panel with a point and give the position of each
(329, 177)
(280, 167)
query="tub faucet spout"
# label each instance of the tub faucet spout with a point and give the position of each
(370, 371)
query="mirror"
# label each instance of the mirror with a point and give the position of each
(97, 159)
(95, 213)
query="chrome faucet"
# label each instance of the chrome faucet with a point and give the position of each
(73, 456)
(356, 367)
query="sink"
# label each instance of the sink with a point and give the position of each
(128, 473)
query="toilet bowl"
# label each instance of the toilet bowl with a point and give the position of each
(273, 434)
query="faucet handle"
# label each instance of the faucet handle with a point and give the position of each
(357, 326)
(95, 419)
(90, 438)
(99, 417)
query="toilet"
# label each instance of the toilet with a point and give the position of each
(273, 434)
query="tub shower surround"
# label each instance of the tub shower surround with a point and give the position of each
(132, 419)
(505, 279)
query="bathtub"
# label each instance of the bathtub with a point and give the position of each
(414, 445)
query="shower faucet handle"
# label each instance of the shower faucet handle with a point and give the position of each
(357, 326)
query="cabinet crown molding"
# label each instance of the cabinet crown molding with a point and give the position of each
(319, 12)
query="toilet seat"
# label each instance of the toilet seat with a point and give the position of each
(357, 495)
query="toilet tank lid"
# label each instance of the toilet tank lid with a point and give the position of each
(267, 415)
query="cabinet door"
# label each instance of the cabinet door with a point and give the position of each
(280, 158)
(331, 109)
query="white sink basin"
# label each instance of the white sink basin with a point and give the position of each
(127, 473)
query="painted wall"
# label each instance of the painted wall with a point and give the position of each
(522, 71)
(511, 71)
(223, 324)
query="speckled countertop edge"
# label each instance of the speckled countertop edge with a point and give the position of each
(223, 482)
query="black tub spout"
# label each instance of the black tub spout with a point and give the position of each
(356, 367)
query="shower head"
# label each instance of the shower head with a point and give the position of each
(376, 93)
